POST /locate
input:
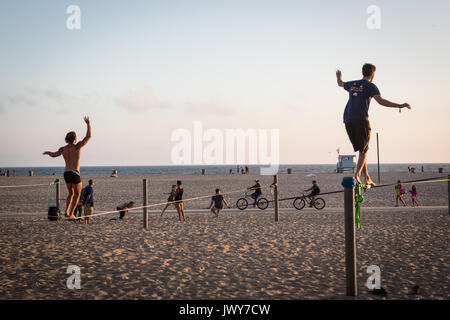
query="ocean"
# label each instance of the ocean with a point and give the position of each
(219, 169)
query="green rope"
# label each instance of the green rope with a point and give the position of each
(359, 199)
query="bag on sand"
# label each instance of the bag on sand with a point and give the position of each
(54, 214)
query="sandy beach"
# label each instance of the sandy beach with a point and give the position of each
(239, 255)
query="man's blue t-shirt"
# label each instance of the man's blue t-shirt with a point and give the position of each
(360, 93)
(89, 191)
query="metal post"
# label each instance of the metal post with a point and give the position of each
(145, 203)
(448, 191)
(350, 241)
(277, 205)
(58, 193)
(378, 157)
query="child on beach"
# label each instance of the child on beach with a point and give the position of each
(315, 190)
(88, 198)
(399, 192)
(218, 200)
(413, 192)
(123, 208)
(171, 198)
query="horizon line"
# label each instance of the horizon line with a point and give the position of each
(226, 165)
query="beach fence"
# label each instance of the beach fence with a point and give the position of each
(145, 202)
(349, 215)
(276, 195)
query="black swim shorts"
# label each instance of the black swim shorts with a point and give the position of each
(72, 177)
(359, 133)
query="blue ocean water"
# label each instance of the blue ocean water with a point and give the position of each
(219, 169)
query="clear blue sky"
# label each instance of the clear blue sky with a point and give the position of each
(141, 69)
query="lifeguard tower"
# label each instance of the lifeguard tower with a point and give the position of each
(345, 162)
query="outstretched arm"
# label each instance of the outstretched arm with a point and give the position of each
(390, 104)
(54, 154)
(83, 142)
(339, 78)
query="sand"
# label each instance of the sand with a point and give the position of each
(239, 255)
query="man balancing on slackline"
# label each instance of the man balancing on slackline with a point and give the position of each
(356, 115)
(72, 153)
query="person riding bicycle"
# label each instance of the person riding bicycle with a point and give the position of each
(315, 190)
(258, 192)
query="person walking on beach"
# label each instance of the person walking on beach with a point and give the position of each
(89, 201)
(356, 115)
(179, 201)
(171, 199)
(122, 208)
(413, 192)
(399, 192)
(258, 192)
(72, 154)
(218, 200)
(315, 190)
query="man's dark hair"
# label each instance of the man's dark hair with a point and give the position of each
(368, 69)
(217, 190)
(71, 136)
(179, 182)
(91, 181)
(131, 203)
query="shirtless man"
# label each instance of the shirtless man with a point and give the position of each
(71, 153)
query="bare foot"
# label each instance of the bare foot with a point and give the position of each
(369, 182)
(358, 180)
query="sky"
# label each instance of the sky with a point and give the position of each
(143, 69)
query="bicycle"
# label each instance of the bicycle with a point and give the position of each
(300, 202)
(242, 203)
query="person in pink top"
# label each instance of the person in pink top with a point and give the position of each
(413, 192)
